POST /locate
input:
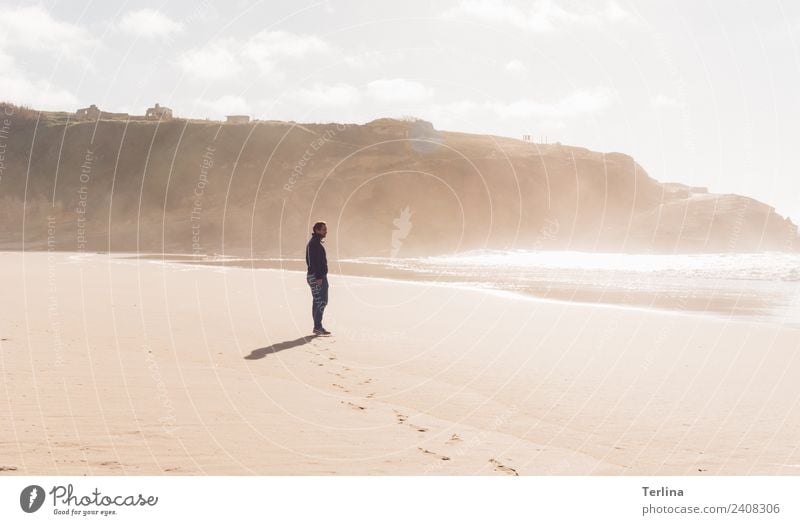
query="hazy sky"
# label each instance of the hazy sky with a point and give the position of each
(704, 93)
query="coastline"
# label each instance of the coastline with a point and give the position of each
(125, 367)
(743, 304)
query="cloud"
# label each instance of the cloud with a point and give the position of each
(500, 12)
(281, 44)
(663, 101)
(576, 104)
(213, 61)
(149, 23)
(369, 59)
(264, 50)
(38, 94)
(456, 111)
(398, 90)
(33, 28)
(516, 67)
(540, 17)
(580, 102)
(337, 95)
(615, 13)
(225, 105)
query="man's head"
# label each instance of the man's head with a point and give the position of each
(321, 229)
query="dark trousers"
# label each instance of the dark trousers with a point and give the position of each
(319, 296)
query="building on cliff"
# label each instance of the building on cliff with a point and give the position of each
(237, 119)
(158, 112)
(90, 113)
(94, 113)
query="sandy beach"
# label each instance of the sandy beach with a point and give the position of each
(115, 366)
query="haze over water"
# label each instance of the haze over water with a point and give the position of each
(764, 286)
(746, 286)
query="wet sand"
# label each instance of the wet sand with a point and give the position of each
(698, 300)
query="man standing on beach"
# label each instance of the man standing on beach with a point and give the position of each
(317, 275)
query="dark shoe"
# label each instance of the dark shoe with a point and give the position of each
(321, 331)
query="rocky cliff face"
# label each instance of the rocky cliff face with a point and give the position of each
(385, 188)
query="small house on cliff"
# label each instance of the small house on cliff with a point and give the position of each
(237, 119)
(158, 112)
(95, 113)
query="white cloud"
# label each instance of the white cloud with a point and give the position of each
(225, 105)
(398, 90)
(614, 12)
(264, 50)
(578, 103)
(337, 95)
(213, 61)
(281, 44)
(38, 94)
(663, 101)
(542, 16)
(372, 59)
(498, 11)
(516, 67)
(149, 23)
(33, 28)
(461, 107)
(455, 113)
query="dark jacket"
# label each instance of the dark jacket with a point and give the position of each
(316, 260)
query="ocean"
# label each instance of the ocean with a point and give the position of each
(762, 287)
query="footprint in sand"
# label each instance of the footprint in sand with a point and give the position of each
(340, 387)
(354, 406)
(7, 468)
(454, 438)
(502, 468)
(426, 451)
(368, 381)
(402, 418)
(370, 396)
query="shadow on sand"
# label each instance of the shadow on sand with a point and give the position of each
(277, 347)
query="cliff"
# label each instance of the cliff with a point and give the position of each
(388, 187)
